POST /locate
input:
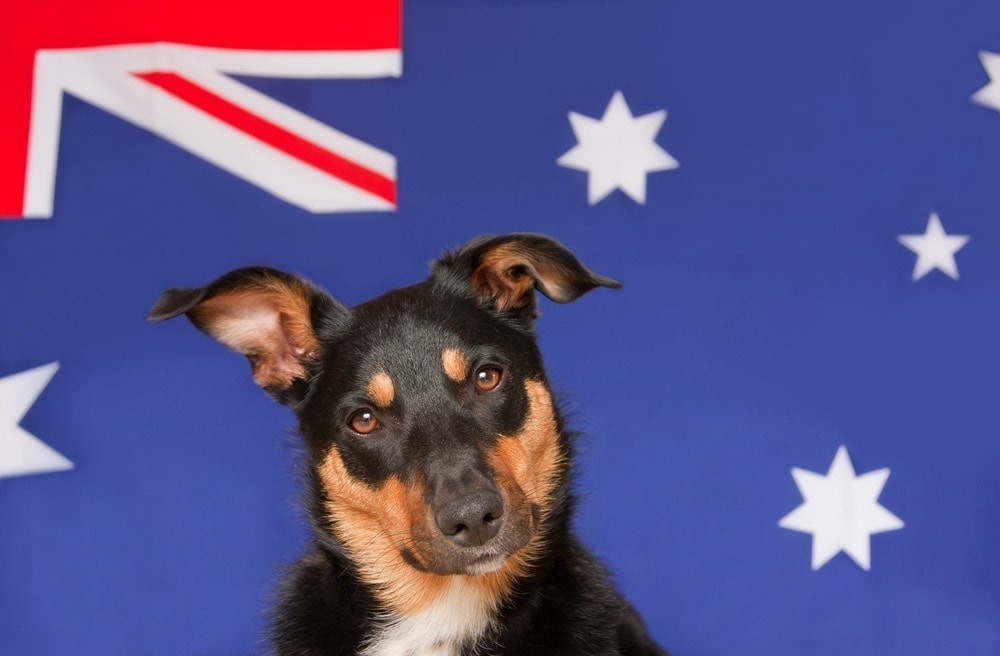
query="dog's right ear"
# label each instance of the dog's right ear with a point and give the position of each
(504, 272)
(267, 315)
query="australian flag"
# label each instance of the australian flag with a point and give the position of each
(788, 417)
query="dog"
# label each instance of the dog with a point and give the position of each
(438, 465)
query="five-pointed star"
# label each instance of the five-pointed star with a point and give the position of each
(989, 95)
(841, 511)
(618, 150)
(21, 452)
(935, 249)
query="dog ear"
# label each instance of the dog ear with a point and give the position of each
(267, 315)
(503, 272)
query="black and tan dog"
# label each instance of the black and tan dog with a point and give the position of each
(438, 464)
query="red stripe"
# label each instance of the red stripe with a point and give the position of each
(274, 135)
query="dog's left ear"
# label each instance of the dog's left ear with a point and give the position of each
(504, 272)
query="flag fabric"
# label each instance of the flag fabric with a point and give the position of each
(787, 415)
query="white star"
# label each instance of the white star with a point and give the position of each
(21, 452)
(989, 95)
(841, 511)
(935, 249)
(617, 151)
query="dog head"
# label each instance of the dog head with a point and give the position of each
(431, 433)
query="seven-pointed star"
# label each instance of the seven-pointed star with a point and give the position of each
(841, 511)
(21, 452)
(935, 249)
(618, 150)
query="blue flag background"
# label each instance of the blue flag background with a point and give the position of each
(768, 316)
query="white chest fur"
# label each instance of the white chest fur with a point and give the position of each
(460, 615)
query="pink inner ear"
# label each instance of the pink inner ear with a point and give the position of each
(495, 279)
(270, 327)
(500, 284)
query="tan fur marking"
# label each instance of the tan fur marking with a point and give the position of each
(374, 525)
(528, 467)
(455, 364)
(532, 458)
(381, 390)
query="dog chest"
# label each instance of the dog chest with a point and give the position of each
(458, 617)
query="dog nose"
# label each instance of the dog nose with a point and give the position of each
(471, 520)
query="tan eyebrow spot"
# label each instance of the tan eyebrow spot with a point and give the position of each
(455, 364)
(381, 390)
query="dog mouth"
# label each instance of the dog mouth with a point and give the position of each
(439, 557)
(489, 559)
(486, 565)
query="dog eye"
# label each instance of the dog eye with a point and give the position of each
(487, 378)
(363, 422)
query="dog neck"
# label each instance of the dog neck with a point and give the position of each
(459, 616)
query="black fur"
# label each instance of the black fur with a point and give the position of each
(436, 431)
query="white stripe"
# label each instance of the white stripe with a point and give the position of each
(43, 138)
(295, 121)
(284, 176)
